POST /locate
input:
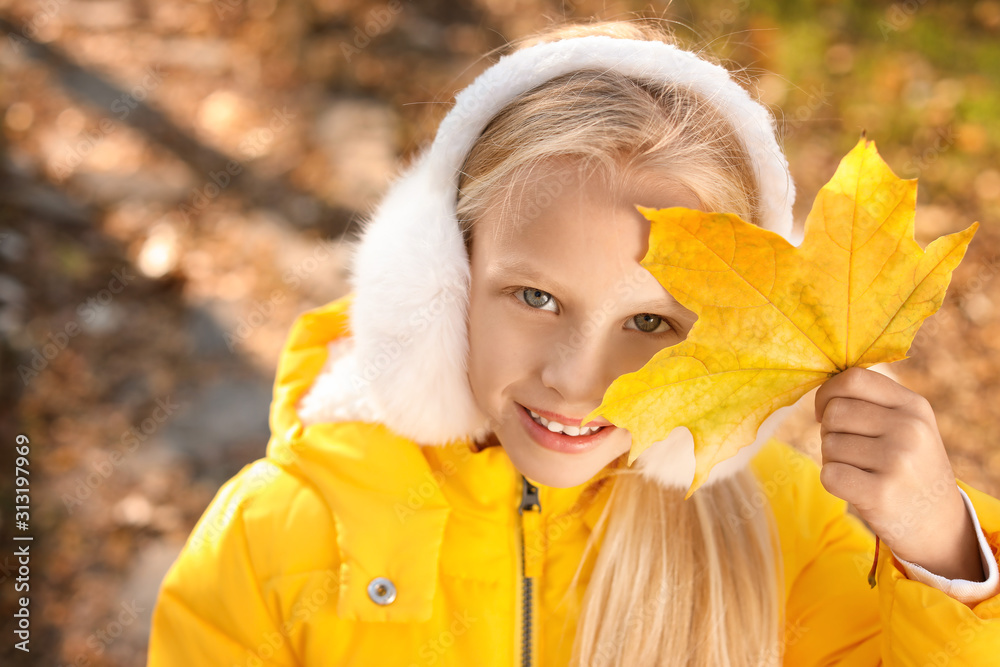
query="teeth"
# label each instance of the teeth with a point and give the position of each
(556, 427)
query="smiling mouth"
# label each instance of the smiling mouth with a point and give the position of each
(565, 429)
(558, 437)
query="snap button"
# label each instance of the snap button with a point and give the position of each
(381, 590)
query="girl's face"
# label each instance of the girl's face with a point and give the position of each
(559, 308)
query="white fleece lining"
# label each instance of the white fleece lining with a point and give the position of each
(963, 590)
(410, 272)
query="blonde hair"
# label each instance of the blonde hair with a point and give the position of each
(610, 123)
(674, 582)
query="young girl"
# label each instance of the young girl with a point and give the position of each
(429, 494)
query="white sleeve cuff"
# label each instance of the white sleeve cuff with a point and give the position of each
(969, 592)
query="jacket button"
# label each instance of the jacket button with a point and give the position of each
(381, 590)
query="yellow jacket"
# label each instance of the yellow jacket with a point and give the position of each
(287, 563)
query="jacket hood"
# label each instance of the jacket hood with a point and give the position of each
(408, 370)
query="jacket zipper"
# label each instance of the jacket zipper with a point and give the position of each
(529, 502)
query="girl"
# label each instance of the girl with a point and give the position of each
(430, 495)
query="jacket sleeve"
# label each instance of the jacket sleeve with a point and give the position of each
(969, 592)
(833, 617)
(924, 625)
(210, 609)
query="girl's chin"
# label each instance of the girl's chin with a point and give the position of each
(552, 469)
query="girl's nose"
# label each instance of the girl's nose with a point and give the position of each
(580, 367)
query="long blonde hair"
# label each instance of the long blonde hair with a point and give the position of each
(682, 583)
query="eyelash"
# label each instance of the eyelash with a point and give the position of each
(518, 293)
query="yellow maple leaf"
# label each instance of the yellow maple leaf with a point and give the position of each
(776, 320)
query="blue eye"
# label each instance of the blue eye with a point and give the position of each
(536, 298)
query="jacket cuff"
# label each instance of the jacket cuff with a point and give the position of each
(963, 590)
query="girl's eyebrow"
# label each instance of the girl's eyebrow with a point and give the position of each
(525, 271)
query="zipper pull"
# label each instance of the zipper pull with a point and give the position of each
(532, 535)
(529, 497)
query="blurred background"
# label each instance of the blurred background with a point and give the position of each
(177, 179)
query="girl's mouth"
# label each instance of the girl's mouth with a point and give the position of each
(560, 437)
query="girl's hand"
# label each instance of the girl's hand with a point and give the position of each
(882, 453)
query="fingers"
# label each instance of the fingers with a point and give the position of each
(854, 432)
(848, 483)
(858, 451)
(863, 384)
(850, 415)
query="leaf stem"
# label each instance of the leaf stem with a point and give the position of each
(871, 573)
